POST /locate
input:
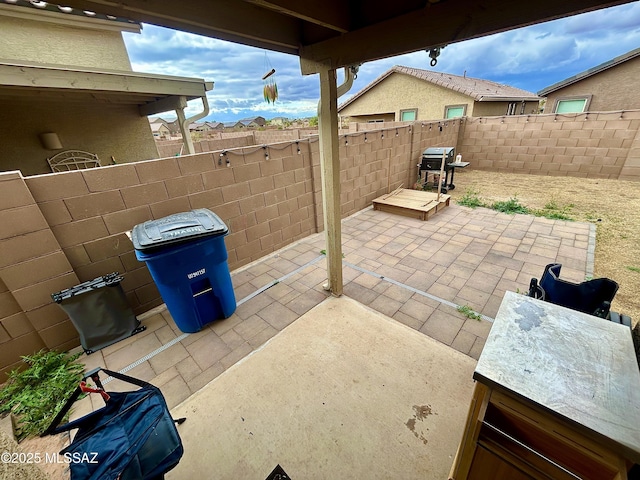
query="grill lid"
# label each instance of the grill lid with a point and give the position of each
(436, 152)
(177, 228)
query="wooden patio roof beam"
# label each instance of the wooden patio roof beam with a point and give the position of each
(437, 24)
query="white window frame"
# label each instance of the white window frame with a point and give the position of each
(447, 107)
(572, 98)
(408, 110)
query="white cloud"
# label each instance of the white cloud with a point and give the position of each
(530, 58)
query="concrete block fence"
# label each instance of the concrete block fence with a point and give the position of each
(65, 228)
(593, 144)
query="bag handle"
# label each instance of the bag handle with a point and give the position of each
(54, 428)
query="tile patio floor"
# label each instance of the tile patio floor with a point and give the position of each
(413, 271)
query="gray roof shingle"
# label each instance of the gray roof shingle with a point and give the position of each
(478, 89)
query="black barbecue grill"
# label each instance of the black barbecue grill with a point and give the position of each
(432, 162)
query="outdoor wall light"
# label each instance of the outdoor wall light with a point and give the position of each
(50, 141)
(346, 141)
(266, 152)
(298, 147)
(365, 137)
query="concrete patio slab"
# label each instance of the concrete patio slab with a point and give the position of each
(342, 392)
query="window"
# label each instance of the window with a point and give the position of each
(511, 108)
(571, 105)
(408, 115)
(455, 111)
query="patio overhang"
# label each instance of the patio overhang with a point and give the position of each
(336, 34)
(152, 93)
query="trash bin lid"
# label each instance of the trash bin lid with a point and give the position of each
(436, 152)
(177, 228)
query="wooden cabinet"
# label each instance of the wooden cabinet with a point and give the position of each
(551, 402)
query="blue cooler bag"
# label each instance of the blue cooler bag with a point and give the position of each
(133, 437)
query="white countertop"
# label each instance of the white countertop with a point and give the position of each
(581, 367)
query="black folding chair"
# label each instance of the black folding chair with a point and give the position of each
(592, 296)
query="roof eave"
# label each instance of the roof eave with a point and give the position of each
(44, 77)
(589, 72)
(488, 98)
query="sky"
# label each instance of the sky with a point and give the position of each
(530, 58)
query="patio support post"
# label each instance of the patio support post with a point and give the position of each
(330, 175)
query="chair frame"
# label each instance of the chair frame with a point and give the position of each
(73, 160)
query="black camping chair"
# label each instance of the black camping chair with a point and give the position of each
(132, 437)
(592, 296)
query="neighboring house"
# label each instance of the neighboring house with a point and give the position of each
(160, 129)
(612, 85)
(253, 122)
(66, 83)
(230, 125)
(279, 121)
(199, 127)
(409, 94)
(173, 127)
(215, 125)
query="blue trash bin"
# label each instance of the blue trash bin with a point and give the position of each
(187, 258)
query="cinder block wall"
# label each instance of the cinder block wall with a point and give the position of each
(595, 145)
(273, 136)
(67, 228)
(32, 266)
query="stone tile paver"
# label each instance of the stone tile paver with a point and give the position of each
(250, 327)
(208, 350)
(278, 316)
(443, 326)
(461, 255)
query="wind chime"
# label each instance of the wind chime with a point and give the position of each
(270, 89)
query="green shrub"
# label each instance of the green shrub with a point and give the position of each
(468, 312)
(553, 211)
(36, 394)
(471, 199)
(510, 206)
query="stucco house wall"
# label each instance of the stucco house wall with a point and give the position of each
(401, 92)
(44, 42)
(613, 89)
(89, 126)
